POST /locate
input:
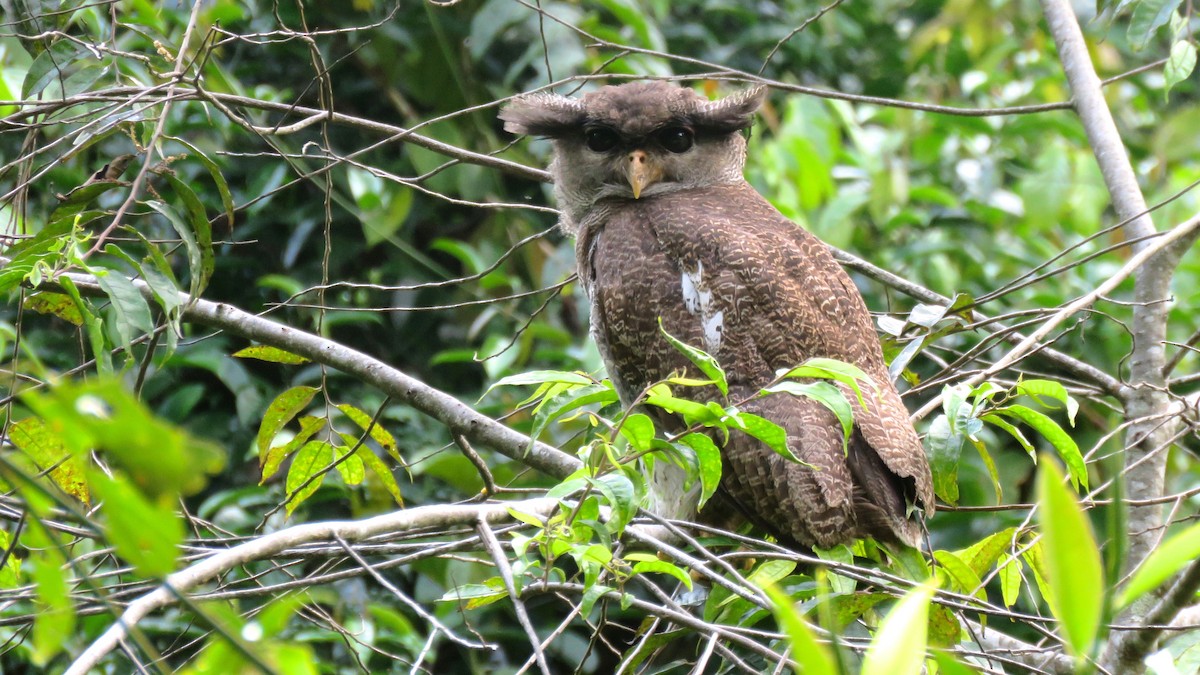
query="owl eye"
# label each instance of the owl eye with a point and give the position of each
(675, 139)
(600, 139)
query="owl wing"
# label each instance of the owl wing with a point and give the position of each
(783, 299)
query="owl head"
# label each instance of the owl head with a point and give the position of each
(635, 141)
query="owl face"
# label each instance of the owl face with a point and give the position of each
(636, 140)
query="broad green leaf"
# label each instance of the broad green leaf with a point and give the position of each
(898, 648)
(10, 573)
(161, 459)
(1148, 17)
(309, 462)
(1163, 562)
(271, 354)
(812, 657)
(309, 425)
(1001, 423)
(619, 491)
(198, 219)
(54, 622)
(54, 304)
(198, 258)
(476, 595)
(1039, 389)
(1180, 64)
(571, 400)
(708, 461)
(282, 410)
(840, 554)
(770, 572)
(663, 567)
(93, 324)
(827, 395)
(768, 432)
(47, 450)
(945, 450)
(638, 429)
(145, 533)
(660, 396)
(1073, 567)
(832, 369)
(1010, 582)
(706, 363)
(381, 472)
(351, 468)
(540, 377)
(990, 465)
(982, 555)
(964, 578)
(129, 307)
(1048, 428)
(378, 433)
(218, 178)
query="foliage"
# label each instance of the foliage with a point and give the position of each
(340, 170)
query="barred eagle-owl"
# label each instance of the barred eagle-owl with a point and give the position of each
(648, 176)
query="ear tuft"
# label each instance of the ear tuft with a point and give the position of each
(732, 113)
(543, 114)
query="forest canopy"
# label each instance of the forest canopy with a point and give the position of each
(298, 375)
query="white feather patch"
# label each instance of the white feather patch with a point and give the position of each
(698, 301)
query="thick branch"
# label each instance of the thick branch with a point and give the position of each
(458, 417)
(183, 581)
(1146, 399)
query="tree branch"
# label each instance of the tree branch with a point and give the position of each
(458, 417)
(268, 545)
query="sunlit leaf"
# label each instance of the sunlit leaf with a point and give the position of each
(708, 461)
(1073, 567)
(145, 533)
(898, 648)
(271, 354)
(706, 363)
(812, 657)
(282, 410)
(1061, 440)
(307, 471)
(1179, 549)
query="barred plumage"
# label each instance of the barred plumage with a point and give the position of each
(649, 179)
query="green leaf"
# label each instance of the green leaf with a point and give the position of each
(832, 369)
(827, 395)
(218, 178)
(54, 622)
(145, 533)
(540, 377)
(708, 461)
(621, 496)
(898, 648)
(660, 396)
(1163, 562)
(945, 450)
(309, 426)
(476, 595)
(1010, 582)
(1180, 64)
(47, 450)
(965, 579)
(982, 555)
(198, 258)
(1073, 567)
(638, 429)
(309, 462)
(270, 354)
(1039, 389)
(129, 307)
(282, 410)
(10, 573)
(812, 657)
(706, 363)
(663, 567)
(1062, 442)
(1148, 17)
(1001, 423)
(768, 432)
(571, 400)
(380, 470)
(200, 227)
(378, 433)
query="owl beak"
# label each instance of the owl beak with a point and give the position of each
(642, 171)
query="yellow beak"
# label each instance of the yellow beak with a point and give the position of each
(642, 171)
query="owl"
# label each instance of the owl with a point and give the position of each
(648, 178)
